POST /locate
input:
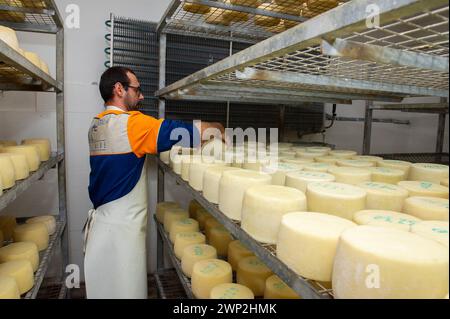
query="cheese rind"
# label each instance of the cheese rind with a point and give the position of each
(343, 154)
(193, 206)
(384, 196)
(300, 180)
(434, 230)
(278, 172)
(253, 273)
(231, 291)
(211, 182)
(7, 172)
(277, 289)
(384, 218)
(44, 147)
(20, 164)
(197, 170)
(21, 271)
(183, 240)
(36, 233)
(182, 226)
(162, 207)
(401, 165)
(351, 175)
(31, 153)
(444, 182)
(428, 172)
(386, 175)
(194, 253)
(236, 252)
(220, 238)
(173, 215)
(207, 274)
(368, 158)
(417, 188)
(8, 288)
(355, 163)
(329, 159)
(318, 167)
(210, 223)
(21, 251)
(49, 221)
(7, 225)
(427, 208)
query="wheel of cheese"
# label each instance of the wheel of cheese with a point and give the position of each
(288, 153)
(386, 175)
(277, 289)
(235, 16)
(231, 291)
(265, 205)
(2, 239)
(7, 143)
(31, 153)
(220, 238)
(236, 252)
(319, 149)
(162, 207)
(417, 188)
(193, 206)
(44, 146)
(444, 182)
(246, 3)
(176, 163)
(214, 148)
(310, 154)
(217, 18)
(385, 218)
(355, 163)
(384, 196)
(298, 148)
(207, 274)
(165, 157)
(331, 160)
(431, 229)
(9, 36)
(7, 225)
(201, 216)
(351, 175)
(36, 233)
(253, 273)
(183, 240)
(183, 226)
(368, 158)
(297, 161)
(278, 172)
(21, 169)
(211, 180)
(194, 253)
(232, 187)
(21, 271)
(384, 263)
(337, 199)
(174, 151)
(197, 170)
(7, 172)
(255, 165)
(401, 165)
(49, 221)
(307, 243)
(20, 251)
(173, 215)
(210, 223)
(8, 288)
(300, 180)
(33, 58)
(428, 172)
(318, 167)
(343, 154)
(186, 161)
(196, 8)
(265, 21)
(427, 208)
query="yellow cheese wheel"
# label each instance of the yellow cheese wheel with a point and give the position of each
(211, 180)
(329, 159)
(8, 143)
(343, 154)
(385, 218)
(300, 180)
(310, 154)
(255, 164)
(417, 188)
(277, 289)
(384, 196)
(246, 3)
(319, 149)
(20, 251)
(162, 207)
(220, 238)
(207, 274)
(287, 153)
(183, 240)
(194, 253)
(431, 229)
(7, 172)
(428, 172)
(186, 161)
(351, 175)
(386, 175)
(44, 67)
(278, 172)
(196, 8)
(49, 221)
(253, 273)
(236, 252)
(9, 36)
(20, 164)
(174, 152)
(21, 271)
(36, 233)
(31, 153)
(384, 263)
(7, 225)
(318, 167)
(8, 288)
(368, 158)
(33, 58)
(193, 206)
(182, 226)
(2, 239)
(173, 215)
(44, 147)
(210, 223)
(307, 243)
(427, 208)
(444, 182)
(235, 16)
(355, 163)
(231, 291)
(264, 206)
(265, 21)
(165, 157)
(297, 161)
(401, 165)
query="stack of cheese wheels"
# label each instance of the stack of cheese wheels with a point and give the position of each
(252, 273)
(231, 291)
(183, 240)
(8, 288)
(36, 233)
(351, 175)
(214, 148)
(417, 188)
(201, 216)
(317, 235)
(444, 182)
(318, 167)
(207, 274)
(173, 215)
(220, 238)
(431, 229)
(21, 271)
(49, 221)
(233, 186)
(277, 289)
(7, 172)
(297, 161)
(427, 208)
(20, 251)
(329, 159)
(385, 218)
(163, 207)
(7, 225)
(265, 21)
(384, 196)
(182, 226)
(165, 157)
(196, 8)
(434, 173)
(368, 158)
(211, 180)
(300, 180)
(210, 223)
(335, 198)
(382, 263)
(31, 153)
(44, 147)
(386, 175)
(194, 253)
(8, 143)
(264, 206)
(343, 154)
(395, 164)
(197, 170)
(186, 161)
(192, 209)
(237, 252)
(278, 172)
(355, 163)
(21, 169)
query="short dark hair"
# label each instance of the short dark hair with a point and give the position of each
(110, 77)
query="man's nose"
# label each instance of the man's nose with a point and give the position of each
(141, 97)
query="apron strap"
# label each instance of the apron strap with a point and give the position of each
(87, 227)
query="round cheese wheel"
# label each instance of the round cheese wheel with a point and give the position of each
(343, 154)
(310, 154)
(255, 164)
(44, 147)
(21, 271)
(265, 21)
(431, 229)
(264, 206)
(427, 208)
(217, 18)
(277, 289)
(231, 291)
(193, 206)
(196, 8)
(220, 238)
(9, 36)
(278, 172)
(8, 143)
(318, 167)
(49, 221)
(417, 188)
(318, 235)
(428, 172)
(368, 158)
(214, 148)
(197, 170)
(210, 223)
(202, 215)
(253, 273)
(194, 253)
(385, 218)
(176, 163)
(232, 187)
(2, 239)
(207, 274)
(288, 153)
(384, 196)
(351, 175)
(383, 263)
(20, 251)
(236, 252)
(174, 151)
(247, 3)
(297, 161)
(36, 233)
(21, 169)
(444, 182)
(165, 157)
(401, 165)
(162, 207)
(31, 153)
(7, 225)
(386, 175)
(355, 163)
(186, 161)
(173, 215)
(8, 288)
(319, 149)
(300, 180)
(183, 240)
(327, 159)
(211, 181)
(335, 198)
(183, 226)
(7, 172)
(235, 16)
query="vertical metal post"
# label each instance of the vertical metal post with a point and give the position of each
(111, 44)
(368, 127)
(162, 72)
(281, 122)
(228, 102)
(160, 242)
(441, 130)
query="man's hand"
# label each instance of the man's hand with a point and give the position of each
(211, 129)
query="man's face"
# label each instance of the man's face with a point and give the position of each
(133, 95)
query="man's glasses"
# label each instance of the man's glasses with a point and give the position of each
(138, 89)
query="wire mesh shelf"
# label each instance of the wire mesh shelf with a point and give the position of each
(437, 158)
(168, 285)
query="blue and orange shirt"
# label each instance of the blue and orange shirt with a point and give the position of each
(118, 143)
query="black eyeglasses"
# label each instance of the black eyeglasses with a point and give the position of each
(138, 89)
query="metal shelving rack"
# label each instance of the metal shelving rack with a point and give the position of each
(18, 74)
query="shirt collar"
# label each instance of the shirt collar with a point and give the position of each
(114, 108)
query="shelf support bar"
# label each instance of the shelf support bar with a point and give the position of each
(368, 128)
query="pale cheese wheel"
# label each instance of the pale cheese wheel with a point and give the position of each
(297, 161)
(186, 161)
(255, 164)
(197, 170)
(278, 172)
(235, 16)
(232, 187)
(384, 196)
(20, 164)
(277, 289)
(386, 175)
(343, 154)
(211, 181)
(49, 221)
(7, 172)
(385, 218)
(351, 175)
(7, 225)
(202, 215)
(246, 3)
(31, 153)
(182, 226)
(444, 182)
(395, 164)
(214, 148)
(173, 215)
(231, 291)
(195, 253)
(183, 240)
(431, 229)
(427, 208)
(319, 149)
(44, 147)
(368, 158)
(384, 263)
(220, 238)
(36, 233)
(8, 143)
(329, 159)
(165, 157)
(265, 205)
(176, 163)
(236, 252)
(162, 207)
(300, 180)
(207, 274)
(253, 273)
(210, 223)
(21, 251)
(428, 172)
(288, 153)
(337, 199)
(417, 188)
(33, 58)
(310, 154)
(21, 271)
(174, 152)
(9, 36)
(298, 148)
(355, 163)
(307, 243)
(193, 206)
(8, 288)
(196, 8)
(318, 167)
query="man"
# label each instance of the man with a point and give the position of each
(115, 232)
